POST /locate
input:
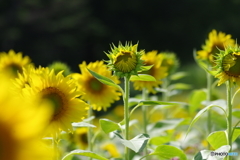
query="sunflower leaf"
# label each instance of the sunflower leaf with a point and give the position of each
(178, 75)
(199, 114)
(136, 144)
(167, 151)
(83, 153)
(142, 77)
(157, 103)
(108, 125)
(105, 80)
(145, 68)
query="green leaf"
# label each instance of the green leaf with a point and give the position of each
(180, 86)
(82, 124)
(142, 77)
(164, 125)
(167, 151)
(178, 75)
(198, 156)
(136, 144)
(83, 153)
(145, 68)
(199, 114)
(160, 140)
(217, 139)
(146, 103)
(195, 100)
(236, 113)
(105, 80)
(108, 125)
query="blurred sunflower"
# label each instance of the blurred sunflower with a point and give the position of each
(60, 92)
(111, 149)
(214, 42)
(157, 71)
(20, 139)
(125, 60)
(170, 61)
(228, 65)
(81, 137)
(60, 66)
(99, 95)
(13, 63)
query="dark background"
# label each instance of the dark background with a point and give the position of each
(72, 31)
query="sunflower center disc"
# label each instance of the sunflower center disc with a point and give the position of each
(235, 69)
(55, 98)
(95, 85)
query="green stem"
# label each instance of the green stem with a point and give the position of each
(209, 93)
(90, 145)
(55, 141)
(165, 94)
(229, 127)
(145, 118)
(126, 112)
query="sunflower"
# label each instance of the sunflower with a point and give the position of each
(228, 65)
(111, 149)
(214, 42)
(157, 71)
(20, 139)
(13, 63)
(60, 66)
(61, 94)
(81, 137)
(170, 61)
(99, 95)
(125, 60)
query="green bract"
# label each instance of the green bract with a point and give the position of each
(125, 60)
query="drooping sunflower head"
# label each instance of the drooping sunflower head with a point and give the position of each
(12, 62)
(157, 71)
(81, 138)
(61, 94)
(170, 61)
(125, 60)
(228, 65)
(60, 66)
(99, 95)
(216, 40)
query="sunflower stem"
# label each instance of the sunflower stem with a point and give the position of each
(126, 112)
(209, 93)
(145, 118)
(229, 126)
(55, 141)
(90, 145)
(165, 94)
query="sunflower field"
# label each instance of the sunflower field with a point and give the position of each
(133, 105)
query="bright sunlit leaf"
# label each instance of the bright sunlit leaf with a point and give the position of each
(142, 77)
(105, 80)
(108, 126)
(83, 153)
(167, 151)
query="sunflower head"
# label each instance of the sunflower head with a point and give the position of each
(228, 65)
(12, 62)
(61, 95)
(170, 61)
(214, 42)
(125, 60)
(60, 66)
(157, 71)
(100, 96)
